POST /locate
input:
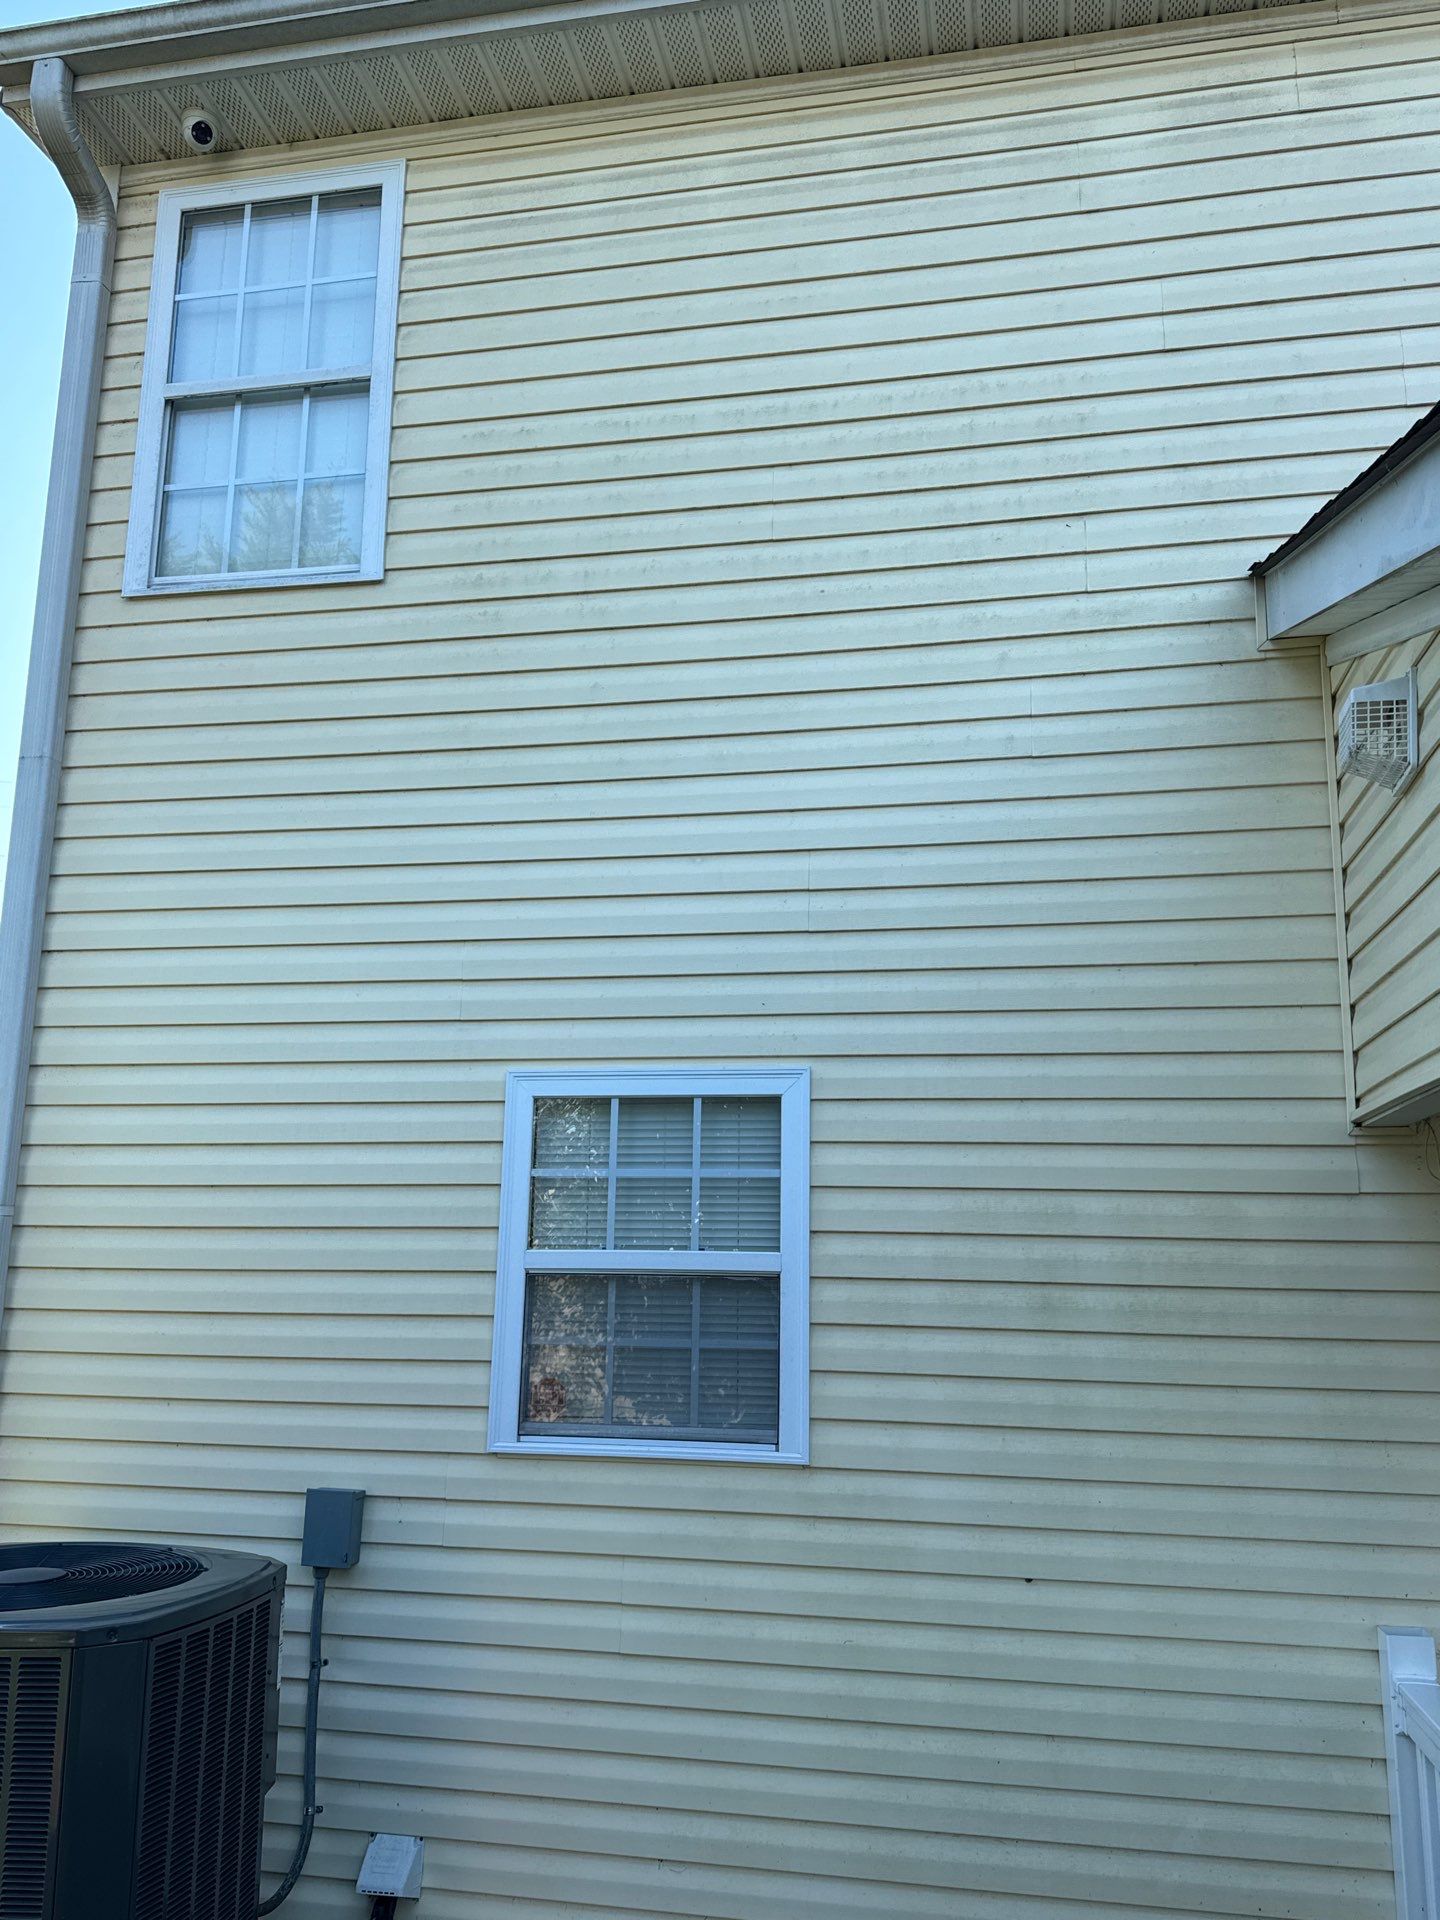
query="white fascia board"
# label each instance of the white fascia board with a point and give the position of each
(1408, 619)
(1407, 1109)
(1385, 547)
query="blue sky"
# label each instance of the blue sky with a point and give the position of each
(37, 231)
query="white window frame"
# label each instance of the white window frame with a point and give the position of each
(157, 391)
(514, 1258)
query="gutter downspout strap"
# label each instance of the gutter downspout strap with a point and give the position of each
(37, 787)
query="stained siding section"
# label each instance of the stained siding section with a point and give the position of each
(815, 631)
(1390, 853)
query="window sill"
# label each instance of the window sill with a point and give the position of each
(350, 576)
(652, 1450)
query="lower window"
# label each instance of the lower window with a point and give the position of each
(688, 1356)
(651, 1282)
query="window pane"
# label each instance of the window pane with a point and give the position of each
(200, 443)
(348, 241)
(572, 1133)
(655, 1133)
(740, 1389)
(565, 1383)
(271, 332)
(204, 344)
(740, 1215)
(262, 538)
(567, 1213)
(269, 440)
(210, 251)
(652, 1387)
(342, 324)
(330, 523)
(638, 1330)
(740, 1310)
(192, 533)
(652, 1213)
(740, 1133)
(653, 1307)
(568, 1309)
(275, 335)
(279, 243)
(339, 425)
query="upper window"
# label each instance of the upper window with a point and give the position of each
(264, 425)
(651, 1281)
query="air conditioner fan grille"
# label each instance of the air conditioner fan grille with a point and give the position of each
(72, 1574)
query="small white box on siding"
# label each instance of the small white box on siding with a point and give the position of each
(394, 1864)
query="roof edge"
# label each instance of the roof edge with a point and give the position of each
(1411, 444)
(279, 73)
(181, 30)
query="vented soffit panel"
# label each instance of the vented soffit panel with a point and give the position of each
(276, 72)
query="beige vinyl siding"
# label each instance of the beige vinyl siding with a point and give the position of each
(815, 631)
(1390, 856)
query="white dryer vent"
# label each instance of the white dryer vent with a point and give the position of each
(1379, 732)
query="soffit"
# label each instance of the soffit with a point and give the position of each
(274, 75)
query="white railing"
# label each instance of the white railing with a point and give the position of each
(1412, 1756)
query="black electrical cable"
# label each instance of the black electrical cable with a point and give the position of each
(312, 1721)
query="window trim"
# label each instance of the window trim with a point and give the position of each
(514, 1258)
(173, 204)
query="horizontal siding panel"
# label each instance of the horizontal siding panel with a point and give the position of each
(82, 1112)
(1032, 1259)
(452, 491)
(860, 1476)
(404, 1163)
(468, 680)
(1026, 782)
(1332, 407)
(1379, 1217)
(840, 1801)
(1108, 871)
(840, 1524)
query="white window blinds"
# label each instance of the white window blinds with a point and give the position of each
(672, 1174)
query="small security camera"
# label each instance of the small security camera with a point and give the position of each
(201, 133)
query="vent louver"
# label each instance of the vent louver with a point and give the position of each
(32, 1699)
(202, 1779)
(1379, 732)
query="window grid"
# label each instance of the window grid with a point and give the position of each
(699, 1343)
(301, 383)
(243, 291)
(305, 472)
(699, 1169)
(337, 511)
(746, 1368)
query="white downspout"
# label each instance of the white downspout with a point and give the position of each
(42, 738)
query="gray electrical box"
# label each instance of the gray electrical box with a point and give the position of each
(333, 1517)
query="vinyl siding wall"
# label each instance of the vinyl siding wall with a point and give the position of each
(1390, 852)
(816, 631)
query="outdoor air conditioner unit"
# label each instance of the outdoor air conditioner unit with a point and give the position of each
(1379, 735)
(138, 1716)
